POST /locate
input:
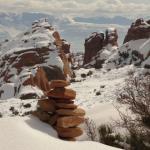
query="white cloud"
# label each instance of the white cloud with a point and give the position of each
(79, 7)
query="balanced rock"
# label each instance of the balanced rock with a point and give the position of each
(71, 121)
(69, 132)
(71, 112)
(59, 83)
(47, 105)
(62, 93)
(67, 106)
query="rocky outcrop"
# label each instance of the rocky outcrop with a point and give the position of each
(93, 44)
(136, 47)
(99, 46)
(64, 116)
(111, 37)
(34, 58)
(139, 29)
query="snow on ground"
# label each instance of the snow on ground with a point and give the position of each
(101, 87)
(28, 133)
(96, 94)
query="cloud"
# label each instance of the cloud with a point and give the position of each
(79, 7)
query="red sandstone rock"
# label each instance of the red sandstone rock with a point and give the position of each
(71, 112)
(93, 44)
(69, 132)
(71, 121)
(43, 116)
(62, 93)
(46, 105)
(67, 106)
(53, 119)
(59, 83)
(65, 101)
(139, 29)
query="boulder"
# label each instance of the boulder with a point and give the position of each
(71, 112)
(47, 105)
(59, 83)
(67, 106)
(69, 132)
(62, 93)
(67, 122)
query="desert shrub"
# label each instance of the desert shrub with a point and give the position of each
(109, 137)
(91, 129)
(83, 75)
(136, 96)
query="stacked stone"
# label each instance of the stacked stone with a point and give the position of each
(60, 111)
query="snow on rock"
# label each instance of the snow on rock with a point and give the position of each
(28, 133)
(32, 58)
(99, 46)
(135, 52)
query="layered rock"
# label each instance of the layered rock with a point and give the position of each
(60, 111)
(33, 59)
(99, 46)
(139, 29)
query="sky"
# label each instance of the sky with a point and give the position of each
(129, 8)
(76, 32)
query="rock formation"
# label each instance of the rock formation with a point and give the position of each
(32, 59)
(93, 44)
(60, 111)
(99, 46)
(136, 47)
(139, 29)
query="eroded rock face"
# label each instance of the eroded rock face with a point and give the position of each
(34, 58)
(139, 29)
(93, 44)
(98, 47)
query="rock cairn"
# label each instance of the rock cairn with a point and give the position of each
(60, 111)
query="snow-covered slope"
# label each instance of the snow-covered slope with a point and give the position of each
(28, 133)
(135, 52)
